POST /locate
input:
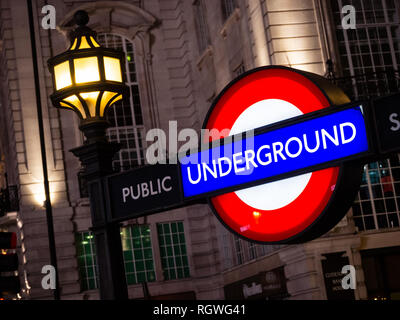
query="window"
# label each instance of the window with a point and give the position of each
(252, 250)
(239, 70)
(371, 52)
(83, 185)
(137, 251)
(126, 118)
(268, 249)
(239, 251)
(378, 203)
(173, 252)
(138, 254)
(370, 59)
(225, 247)
(203, 36)
(87, 263)
(228, 6)
(381, 272)
(236, 251)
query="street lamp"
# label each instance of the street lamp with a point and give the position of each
(88, 79)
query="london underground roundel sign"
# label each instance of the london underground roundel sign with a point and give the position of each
(296, 209)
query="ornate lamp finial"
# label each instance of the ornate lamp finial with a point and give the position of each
(81, 18)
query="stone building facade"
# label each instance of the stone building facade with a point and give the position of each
(180, 55)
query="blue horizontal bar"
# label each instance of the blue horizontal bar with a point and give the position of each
(327, 138)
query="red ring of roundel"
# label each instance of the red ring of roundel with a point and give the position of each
(287, 222)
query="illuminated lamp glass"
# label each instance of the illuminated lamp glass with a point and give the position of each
(112, 68)
(88, 78)
(86, 70)
(62, 75)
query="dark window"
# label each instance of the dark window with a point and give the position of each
(9, 200)
(83, 185)
(239, 250)
(228, 6)
(87, 262)
(126, 117)
(381, 273)
(138, 254)
(200, 17)
(369, 56)
(240, 70)
(174, 258)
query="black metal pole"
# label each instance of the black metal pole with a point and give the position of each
(49, 210)
(96, 156)
(145, 286)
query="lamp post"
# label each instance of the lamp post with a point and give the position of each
(88, 79)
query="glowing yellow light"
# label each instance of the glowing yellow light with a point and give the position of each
(256, 214)
(84, 44)
(94, 42)
(112, 68)
(86, 70)
(107, 97)
(82, 73)
(76, 103)
(39, 196)
(91, 100)
(62, 75)
(75, 43)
